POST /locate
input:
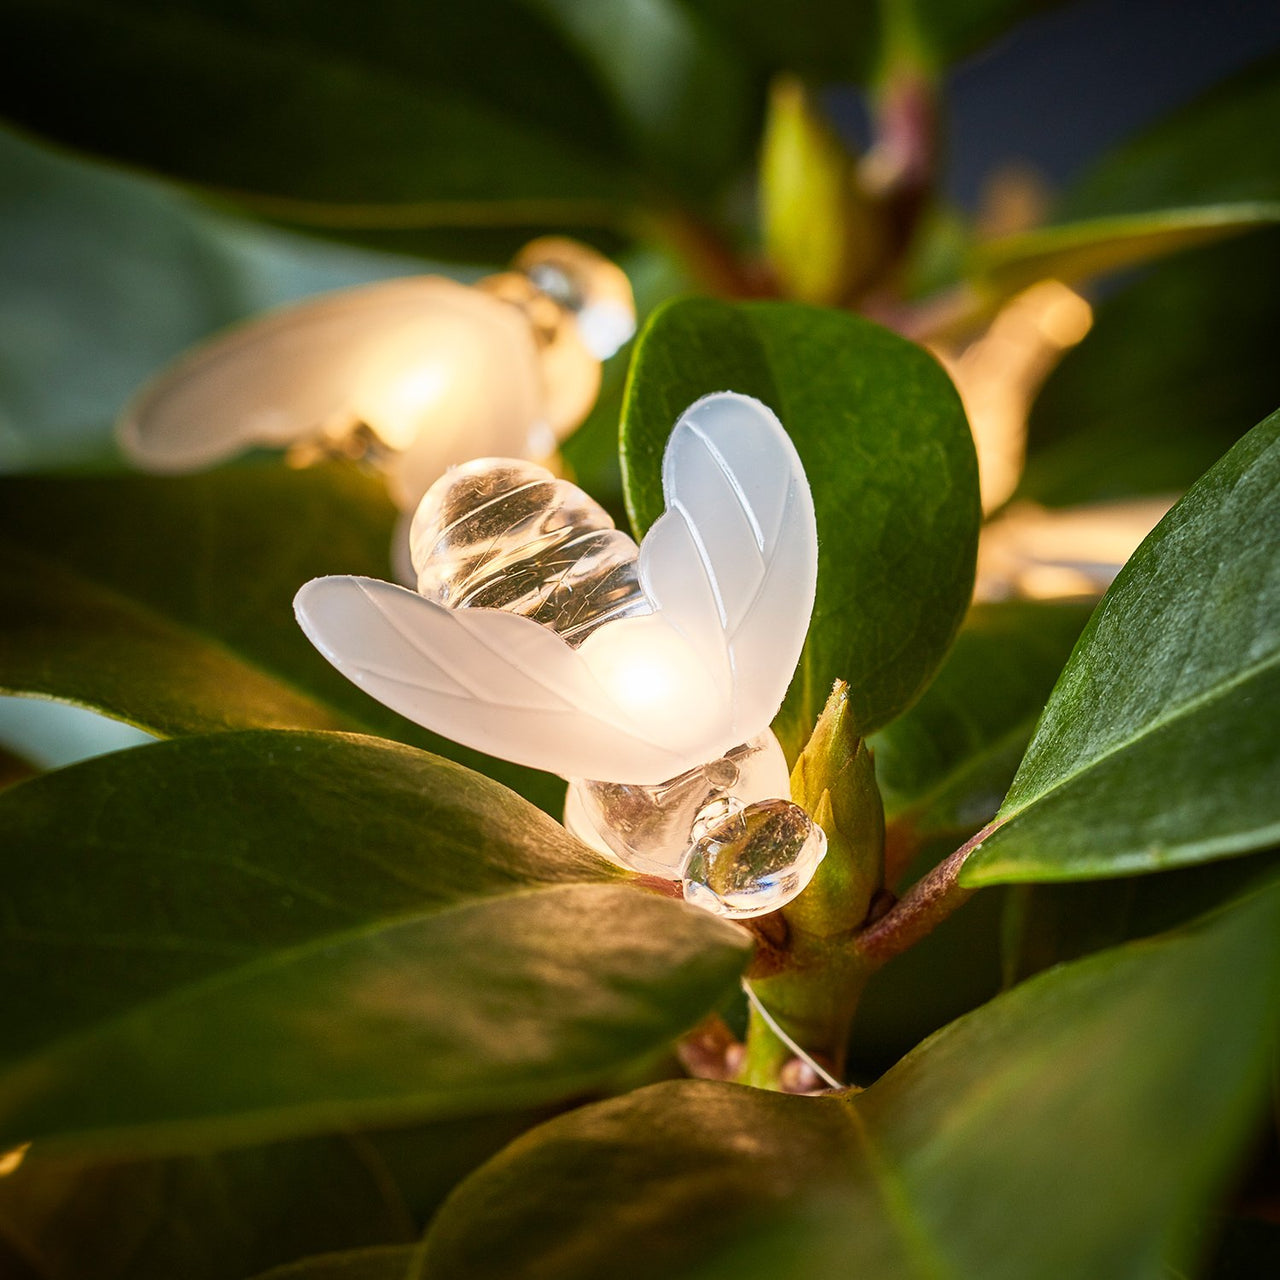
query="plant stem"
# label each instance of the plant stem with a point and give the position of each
(924, 906)
(766, 1054)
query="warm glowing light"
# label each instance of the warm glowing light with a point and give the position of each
(11, 1160)
(655, 676)
(404, 403)
(999, 374)
(410, 375)
(1035, 553)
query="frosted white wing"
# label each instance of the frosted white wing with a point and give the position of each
(505, 685)
(733, 563)
(398, 354)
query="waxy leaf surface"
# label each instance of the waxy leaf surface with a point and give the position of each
(1158, 744)
(1039, 1135)
(243, 936)
(889, 458)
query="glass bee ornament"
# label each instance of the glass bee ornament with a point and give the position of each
(647, 676)
(408, 375)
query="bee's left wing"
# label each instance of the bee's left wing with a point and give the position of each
(733, 562)
(508, 686)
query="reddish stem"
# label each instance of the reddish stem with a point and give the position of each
(923, 907)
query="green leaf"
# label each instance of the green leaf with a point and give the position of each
(1075, 1126)
(1157, 745)
(85, 643)
(835, 40)
(220, 1216)
(224, 1215)
(1157, 392)
(1078, 251)
(663, 70)
(390, 1262)
(421, 115)
(240, 937)
(945, 765)
(167, 602)
(888, 454)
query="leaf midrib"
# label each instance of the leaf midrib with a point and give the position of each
(276, 959)
(910, 1228)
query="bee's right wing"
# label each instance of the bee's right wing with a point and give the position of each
(733, 562)
(389, 351)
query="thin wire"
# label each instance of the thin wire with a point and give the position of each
(772, 1023)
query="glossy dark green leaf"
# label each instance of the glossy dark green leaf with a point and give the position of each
(1076, 1126)
(75, 640)
(889, 457)
(221, 1216)
(243, 936)
(1176, 365)
(1158, 747)
(532, 116)
(944, 767)
(225, 1215)
(168, 602)
(460, 113)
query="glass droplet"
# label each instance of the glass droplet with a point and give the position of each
(755, 861)
(498, 533)
(650, 828)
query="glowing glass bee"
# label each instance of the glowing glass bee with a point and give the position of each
(647, 676)
(411, 375)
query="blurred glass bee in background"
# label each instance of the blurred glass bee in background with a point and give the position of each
(408, 375)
